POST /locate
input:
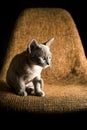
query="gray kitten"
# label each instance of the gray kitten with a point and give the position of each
(24, 72)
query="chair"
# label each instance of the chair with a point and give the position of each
(65, 83)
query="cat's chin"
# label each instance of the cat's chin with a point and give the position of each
(46, 66)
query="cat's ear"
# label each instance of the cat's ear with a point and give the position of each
(48, 43)
(32, 45)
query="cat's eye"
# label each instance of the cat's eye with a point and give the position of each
(49, 57)
(43, 58)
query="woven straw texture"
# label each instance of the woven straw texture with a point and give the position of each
(66, 81)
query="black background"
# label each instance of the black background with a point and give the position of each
(9, 10)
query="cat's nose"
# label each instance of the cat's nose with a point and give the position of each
(47, 62)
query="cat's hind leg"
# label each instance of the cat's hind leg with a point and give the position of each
(20, 88)
(17, 85)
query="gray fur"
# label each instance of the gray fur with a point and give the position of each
(24, 72)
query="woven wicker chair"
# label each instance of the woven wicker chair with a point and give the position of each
(66, 81)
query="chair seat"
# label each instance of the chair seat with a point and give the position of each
(63, 99)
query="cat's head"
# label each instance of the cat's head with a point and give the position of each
(40, 53)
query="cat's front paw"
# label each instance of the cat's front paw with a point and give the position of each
(30, 91)
(40, 93)
(22, 93)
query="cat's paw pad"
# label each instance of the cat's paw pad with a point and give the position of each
(30, 91)
(22, 93)
(41, 93)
